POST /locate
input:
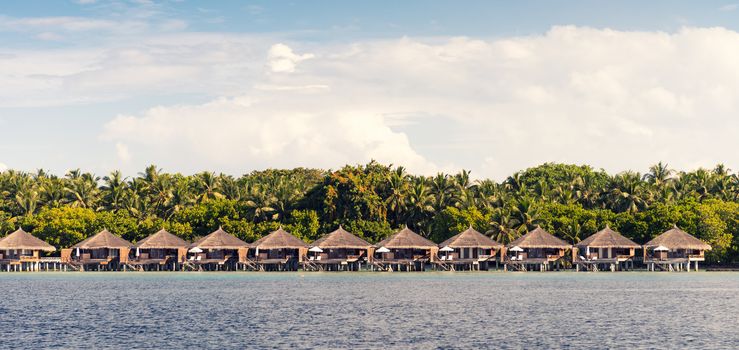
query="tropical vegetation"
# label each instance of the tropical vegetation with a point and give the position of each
(373, 200)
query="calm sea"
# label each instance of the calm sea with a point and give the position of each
(369, 310)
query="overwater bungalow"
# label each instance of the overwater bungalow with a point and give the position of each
(102, 252)
(674, 250)
(338, 251)
(278, 251)
(405, 250)
(217, 251)
(605, 249)
(160, 251)
(20, 251)
(468, 250)
(537, 249)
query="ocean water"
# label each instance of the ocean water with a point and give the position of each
(369, 310)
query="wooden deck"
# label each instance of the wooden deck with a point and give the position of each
(272, 261)
(334, 261)
(531, 261)
(415, 264)
(150, 261)
(552, 262)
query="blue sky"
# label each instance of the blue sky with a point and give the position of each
(489, 86)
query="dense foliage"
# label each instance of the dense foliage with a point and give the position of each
(373, 200)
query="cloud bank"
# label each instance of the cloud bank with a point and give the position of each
(614, 99)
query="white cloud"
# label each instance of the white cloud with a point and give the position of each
(239, 133)
(283, 59)
(614, 99)
(173, 25)
(49, 36)
(72, 24)
(729, 7)
(85, 2)
(124, 155)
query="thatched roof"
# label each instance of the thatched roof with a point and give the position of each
(103, 239)
(607, 238)
(279, 239)
(406, 239)
(676, 238)
(162, 240)
(23, 240)
(219, 239)
(470, 238)
(538, 238)
(340, 239)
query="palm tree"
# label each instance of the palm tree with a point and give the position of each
(700, 182)
(181, 196)
(260, 204)
(573, 231)
(721, 170)
(490, 194)
(585, 191)
(285, 195)
(398, 186)
(627, 193)
(230, 188)
(113, 190)
(504, 227)
(27, 199)
(420, 203)
(442, 190)
(150, 174)
(160, 193)
(207, 187)
(734, 187)
(463, 180)
(659, 174)
(467, 198)
(52, 192)
(513, 183)
(82, 189)
(525, 214)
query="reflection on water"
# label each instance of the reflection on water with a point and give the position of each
(369, 310)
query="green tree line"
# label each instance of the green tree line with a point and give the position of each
(374, 200)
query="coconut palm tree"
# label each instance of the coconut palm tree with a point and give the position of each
(397, 182)
(260, 204)
(700, 183)
(463, 180)
(207, 187)
(659, 174)
(181, 197)
(230, 188)
(113, 190)
(82, 189)
(573, 232)
(513, 183)
(160, 193)
(52, 192)
(525, 214)
(504, 227)
(27, 199)
(626, 193)
(420, 203)
(285, 194)
(442, 188)
(491, 194)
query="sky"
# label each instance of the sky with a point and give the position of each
(436, 86)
